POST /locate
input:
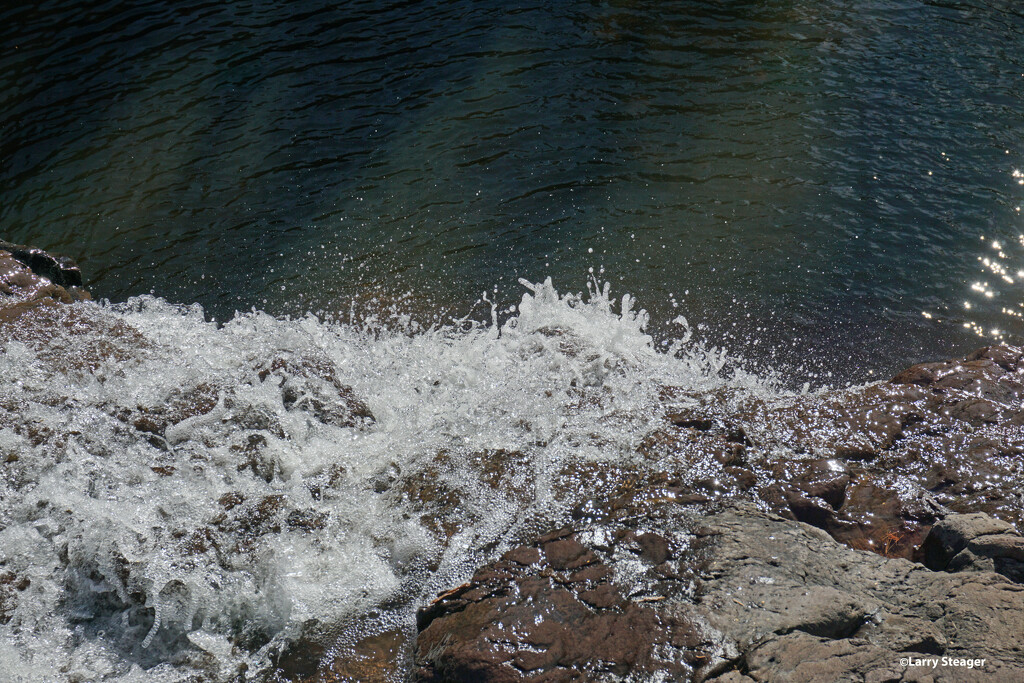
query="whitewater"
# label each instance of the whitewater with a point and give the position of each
(319, 481)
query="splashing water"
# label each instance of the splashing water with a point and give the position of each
(187, 500)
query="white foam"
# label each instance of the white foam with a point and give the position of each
(139, 571)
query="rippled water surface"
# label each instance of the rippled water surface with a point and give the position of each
(816, 193)
(812, 181)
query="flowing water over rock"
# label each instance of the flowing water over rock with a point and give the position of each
(798, 192)
(272, 498)
(187, 497)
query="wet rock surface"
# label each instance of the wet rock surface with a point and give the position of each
(553, 607)
(62, 343)
(34, 288)
(311, 384)
(724, 594)
(874, 466)
(307, 385)
(927, 467)
(721, 544)
(28, 274)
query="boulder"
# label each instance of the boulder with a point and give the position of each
(975, 542)
(953, 534)
(60, 270)
(726, 594)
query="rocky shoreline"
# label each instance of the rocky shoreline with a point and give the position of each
(733, 566)
(731, 594)
(882, 546)
(850, 535)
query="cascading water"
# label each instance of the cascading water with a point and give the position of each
(185, 501)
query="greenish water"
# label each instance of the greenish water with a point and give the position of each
(806, 180)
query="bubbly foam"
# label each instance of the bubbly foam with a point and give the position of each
(198, 497)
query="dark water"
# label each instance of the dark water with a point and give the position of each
(806, 179)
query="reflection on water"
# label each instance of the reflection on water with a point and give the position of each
(998, 266)
(993, 304)
(815, 178)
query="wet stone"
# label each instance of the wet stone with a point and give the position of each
(653, 548)
(565, 628)
(776, 600)
(29, 274)
(566, 554)
(310, 383)
(874, 466)
(1006, 357)
(522, 555)
(601, 597)
(376, 658)
(10, 585)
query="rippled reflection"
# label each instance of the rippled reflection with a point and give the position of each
(814, 177)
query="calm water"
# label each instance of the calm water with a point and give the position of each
(805, 180)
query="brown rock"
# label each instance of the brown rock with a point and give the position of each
(775, 600)
(376, 658)
(952, 535)
(565, 554)
(524, 623)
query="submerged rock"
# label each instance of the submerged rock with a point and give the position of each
(311, 383)
(376, 658)
(726, 594)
